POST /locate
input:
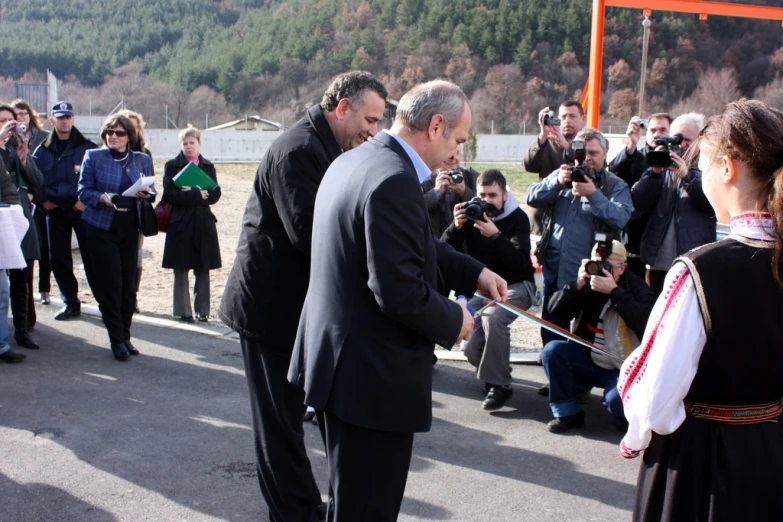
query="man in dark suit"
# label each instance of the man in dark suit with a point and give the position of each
(375, 306)
(268, 282)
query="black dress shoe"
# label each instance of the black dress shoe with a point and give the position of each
(131, 349)
(24, 339)
(561, 424)
(202, 318)
(187, 319)
(544, 390)
(485, 387)
(321, 511)
(68, 312)
(12, 357)
(496, 398)
(120, 351)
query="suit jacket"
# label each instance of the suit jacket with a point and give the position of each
(376, 304)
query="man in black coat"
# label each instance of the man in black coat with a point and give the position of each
(376, 304)
(266, 288)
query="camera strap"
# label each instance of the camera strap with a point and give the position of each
(549, 326)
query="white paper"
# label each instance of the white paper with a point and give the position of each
(142, 182)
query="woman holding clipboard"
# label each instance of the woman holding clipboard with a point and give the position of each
(191, 237)
(113, 224)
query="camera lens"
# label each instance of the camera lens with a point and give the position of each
(593, 268)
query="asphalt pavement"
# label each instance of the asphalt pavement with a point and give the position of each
(167, 437)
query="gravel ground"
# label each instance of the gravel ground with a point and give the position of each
(155, 295)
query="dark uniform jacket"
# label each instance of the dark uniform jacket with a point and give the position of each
(266, 288)
(375, 305)
(191, 237)
(61, 172)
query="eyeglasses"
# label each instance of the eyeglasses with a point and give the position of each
(118, 133)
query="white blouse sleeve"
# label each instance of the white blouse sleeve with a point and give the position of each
(658, 374)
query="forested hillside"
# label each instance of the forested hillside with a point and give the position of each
(274, 57)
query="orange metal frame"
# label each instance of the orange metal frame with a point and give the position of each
(591, 97)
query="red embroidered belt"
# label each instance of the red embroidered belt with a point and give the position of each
(752, 414)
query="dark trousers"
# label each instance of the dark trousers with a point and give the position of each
(62, 221)
(45, 265)
(113, 255)
(368, 470)
(277, 407)
(32, 317)
(546, 335)
(18, 279)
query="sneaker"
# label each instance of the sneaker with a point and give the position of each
(45, 298)
(561, 424)
(497, 397)
(12, 357)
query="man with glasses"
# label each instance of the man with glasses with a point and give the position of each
(611, 310)
(60, 158)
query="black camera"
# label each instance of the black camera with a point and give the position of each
(549, 119)
(475, 209)
(576, 155)
(604, 250)
(663, 158)
(456, 176)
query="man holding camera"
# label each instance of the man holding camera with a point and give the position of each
(629, 165)
(611, 306)
(545, 154)
(575, 210)
(680, 218)
(495, 231)
(449, 185)
(60, 159)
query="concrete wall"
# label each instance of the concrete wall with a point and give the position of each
(233, 145)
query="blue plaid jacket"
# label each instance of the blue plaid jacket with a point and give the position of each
(101, 174)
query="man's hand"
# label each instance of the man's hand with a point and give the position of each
(460, 217)
(494, 285)
(582, 276)
(548, 132)
(6, 131)
(442, 181)
(467, 321)
(48, 205)
(78, 206)
(634, 133)
(564, 176)
(585, 188)
(603, 284)
(558, 137)
(679, 167)
(458, 188)
(486, 227)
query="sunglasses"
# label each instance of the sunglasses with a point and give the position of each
(118, 133)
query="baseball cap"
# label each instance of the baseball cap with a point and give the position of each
(618, 252)
(62, 108)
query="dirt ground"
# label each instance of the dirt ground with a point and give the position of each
(156, 293)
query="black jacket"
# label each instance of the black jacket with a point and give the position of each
(266, 288)
(26, 180)
(441, 206)
(633, 299)
(191, 237)
(508, 255)
(376, 304)
(664, 197)
(630, 168)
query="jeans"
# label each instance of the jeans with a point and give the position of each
(489, 346)
(4, 303)
(546, 335)
(568, 366)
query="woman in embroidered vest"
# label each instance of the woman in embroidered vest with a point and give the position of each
(702, 393)
(191, 237)
(113, 226)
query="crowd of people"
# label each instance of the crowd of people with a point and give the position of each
(66, 184)
(353, 239)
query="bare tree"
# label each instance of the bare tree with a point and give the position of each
(623, 104)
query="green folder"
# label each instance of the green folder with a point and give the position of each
(192, 176)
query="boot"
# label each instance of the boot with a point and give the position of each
(138, 285)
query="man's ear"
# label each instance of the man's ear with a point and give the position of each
(437, 124)
(341, 111)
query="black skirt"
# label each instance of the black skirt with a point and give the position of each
(713, 471)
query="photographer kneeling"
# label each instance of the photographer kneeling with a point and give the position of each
(611, 311)
(493, 229)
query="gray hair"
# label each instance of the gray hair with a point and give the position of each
(418, 106)
(695, 118)
(588, 134)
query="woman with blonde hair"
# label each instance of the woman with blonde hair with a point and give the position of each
(138, 145)
(191, 238)
(702, 394)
